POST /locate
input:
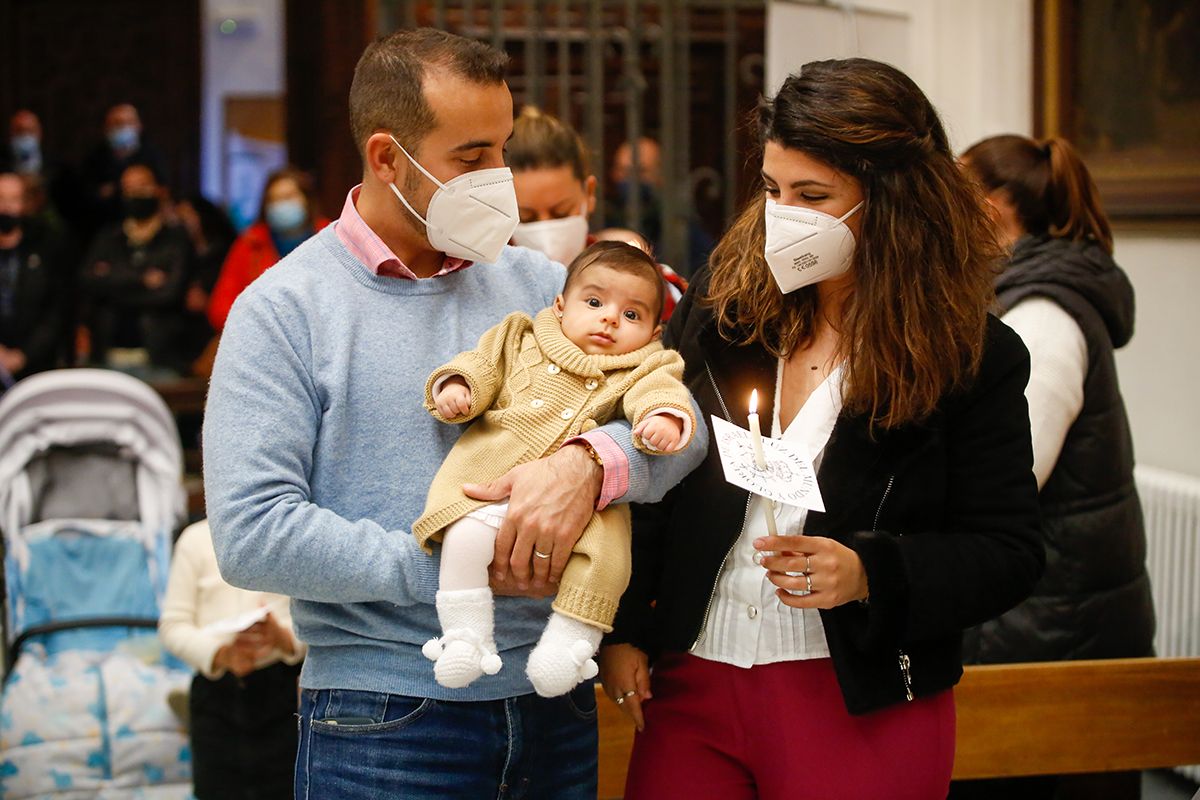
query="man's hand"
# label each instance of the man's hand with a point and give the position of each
(550, 502)
(663, 432)
(453, 398)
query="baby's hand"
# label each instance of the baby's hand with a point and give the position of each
(663, 432)
(453, 398)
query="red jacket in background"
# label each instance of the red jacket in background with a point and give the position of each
(251, 255)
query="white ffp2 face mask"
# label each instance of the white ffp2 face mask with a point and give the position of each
(560, 239)
(470, 217)
(806, 246)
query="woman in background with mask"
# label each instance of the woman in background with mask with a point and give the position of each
(853, 295)
(287, 216)
(556, 193)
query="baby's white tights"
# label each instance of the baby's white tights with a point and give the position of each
(467, 647)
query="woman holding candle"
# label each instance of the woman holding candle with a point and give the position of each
(853, 295)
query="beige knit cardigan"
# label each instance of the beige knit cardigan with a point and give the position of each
(531, 389)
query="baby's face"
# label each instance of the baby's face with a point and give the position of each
(609, 312)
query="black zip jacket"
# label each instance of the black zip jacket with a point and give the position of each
(944, 516)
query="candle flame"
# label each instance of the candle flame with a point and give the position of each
(754, 401)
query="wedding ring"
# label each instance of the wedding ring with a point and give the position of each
(540, 554)
(628, 694)
(807, 565)
(618, 700)
(808, 580)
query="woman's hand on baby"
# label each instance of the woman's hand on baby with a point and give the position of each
(625, 673)
(453, 398)
(663, 432)
(834, 573)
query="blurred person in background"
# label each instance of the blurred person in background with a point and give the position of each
(133, 281)
(242, 706)
(124, 145)
(50, 184)
(648, 186)
(30, 267)
(1073, 306)
(287, 216)
(24, 152)
(556, 193)
(212, 235)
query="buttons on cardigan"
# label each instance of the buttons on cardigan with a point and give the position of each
(537, 402)
(591, 384)
(567, 413)
(553, 369)
(751, 612)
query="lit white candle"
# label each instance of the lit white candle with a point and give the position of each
(760, 459)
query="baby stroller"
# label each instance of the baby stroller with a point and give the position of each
(90, 496)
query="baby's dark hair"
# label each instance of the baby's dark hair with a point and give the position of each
(622, 258)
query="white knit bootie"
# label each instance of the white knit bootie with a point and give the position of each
(467, 648)
(563, 656)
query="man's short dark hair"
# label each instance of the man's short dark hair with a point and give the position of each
(388, 92)
(622, 258)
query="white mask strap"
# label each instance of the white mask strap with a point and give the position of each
(412, 210)
(848, 214)
(416, 163)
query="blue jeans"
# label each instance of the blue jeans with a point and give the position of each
(360, 745)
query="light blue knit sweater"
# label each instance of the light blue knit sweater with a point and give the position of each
(318, 455)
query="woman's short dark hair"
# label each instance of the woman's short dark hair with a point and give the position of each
(388, 91)
(925, 257)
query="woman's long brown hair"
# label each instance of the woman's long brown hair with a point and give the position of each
(913, 328)
(1048, 184)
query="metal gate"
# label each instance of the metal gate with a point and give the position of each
(683, 72)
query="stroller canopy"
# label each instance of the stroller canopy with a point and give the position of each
(124, 424)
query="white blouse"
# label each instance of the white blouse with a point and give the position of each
(196, 597)
(746, 624)
(1058, 362)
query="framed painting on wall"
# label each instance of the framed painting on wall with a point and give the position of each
(1118, 78)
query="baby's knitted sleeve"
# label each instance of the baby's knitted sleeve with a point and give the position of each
(659, 389)
(482, 368)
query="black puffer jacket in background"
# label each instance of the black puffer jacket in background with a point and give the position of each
(1093, 600)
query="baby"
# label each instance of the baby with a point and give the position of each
(532, 384)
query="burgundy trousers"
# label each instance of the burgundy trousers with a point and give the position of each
(780, 731)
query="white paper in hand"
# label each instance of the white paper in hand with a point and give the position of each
(238, 623)
(789, 477)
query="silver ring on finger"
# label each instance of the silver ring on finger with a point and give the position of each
(808, 580)
(618, 700)
(539, 554)
(628, 694)
(807, 565)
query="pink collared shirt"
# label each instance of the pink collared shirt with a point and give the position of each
(365, 245)
(616, 466)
